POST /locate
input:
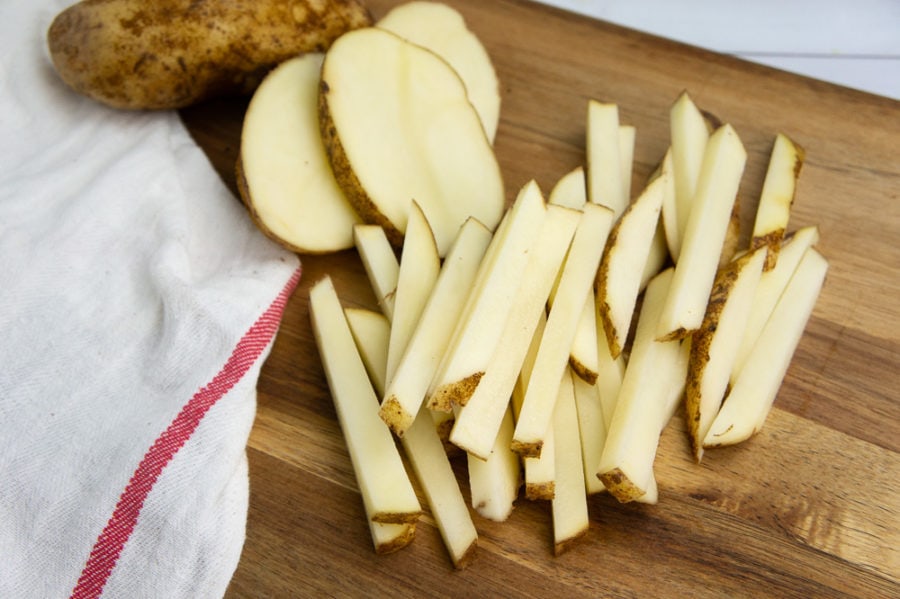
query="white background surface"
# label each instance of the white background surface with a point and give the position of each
(855, 43)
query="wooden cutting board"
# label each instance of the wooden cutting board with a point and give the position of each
(808, 508)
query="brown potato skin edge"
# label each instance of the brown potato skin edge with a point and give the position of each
(181, 52)
(345, 176)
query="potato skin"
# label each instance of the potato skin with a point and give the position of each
(170, 54)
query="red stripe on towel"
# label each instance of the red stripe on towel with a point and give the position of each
(118, 529)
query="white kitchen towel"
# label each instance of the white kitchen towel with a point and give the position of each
(137, 304)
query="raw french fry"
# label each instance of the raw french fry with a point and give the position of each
(386, 490)
(714, 346)
(569, 504)
(604, 170)
(553, 354)
(425, 451)
(624, 259)
(669, 214)
(592, 430)
(748, 403)
(494, 482)
(695, 270)
(627, 135)
(380, 263)
(540, 474)
(570, 191)
(610, 372)
(771, 285)
(480, 327)
(388, 538)
(371, 331)
(689, 133)
(649, 394)
(778, 192)
(437, 479)
(478, 422)
(406, 389)
(420, 265)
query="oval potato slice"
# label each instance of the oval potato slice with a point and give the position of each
(283, 173)
(443, 30)
(398, 126)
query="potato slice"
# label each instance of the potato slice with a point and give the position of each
(479, 420)
(575, 282)
(443, 30)
(777, 197)
(714, 346)
(570, 190)
(419, 269)
(406, 389)
(771, 285)
(621, 269)
(748, 403)
(398, 126)
(386, 490)
(283, 174)
(653, 384)
(695, 270)
(380, 263)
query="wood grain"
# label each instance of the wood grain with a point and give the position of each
(808, 508)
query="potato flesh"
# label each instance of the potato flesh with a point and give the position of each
(748, 403)
(695, 270)
(386, 490)
(443, 30)
(569, 507)
(690, 135)
(287, 180)
(380, 264)
(777, 196)
(173, 53)
(400, 118)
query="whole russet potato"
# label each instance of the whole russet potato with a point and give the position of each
(173, 53)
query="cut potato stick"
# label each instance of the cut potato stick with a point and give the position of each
(478, 331)
(406, 389)
(380, 263)
(627, 135)
(388, 538)
(714, 346)
(751, 397)
(390, 142)
(592, 430)
(610, 372)
(604, 171)
(494, 483)
(442, 30)
(583, 358)
(649, 394)
(778, 192)
(569, 504)
(553, 355)
(690, 134)
(479, 420)
(570, 190)
(624, 259)
(420, 265)
(426, 453)
(386, 490)
(539, 471)
(371, 331)
(282, 153)
(669, 213)
(695, 270)
(771, 285)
